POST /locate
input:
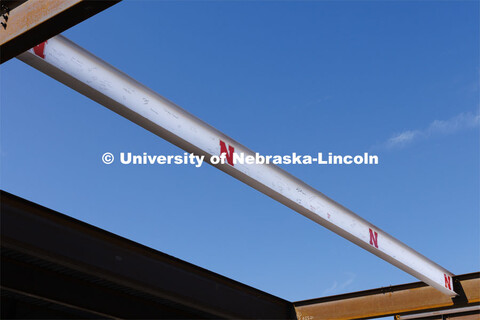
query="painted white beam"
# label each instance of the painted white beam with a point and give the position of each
(82, 71)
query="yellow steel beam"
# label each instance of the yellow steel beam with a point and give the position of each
(395, 300)
(35, 21)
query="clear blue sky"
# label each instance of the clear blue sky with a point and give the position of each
(399, 79)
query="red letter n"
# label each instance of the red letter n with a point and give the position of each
(373, 238)
(448, 282)
(229, 153)
(40, 50)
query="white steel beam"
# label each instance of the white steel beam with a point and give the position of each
(82, 71)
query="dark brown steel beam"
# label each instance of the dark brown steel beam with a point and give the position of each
(395, 300)
(34, 21)
(56, 258)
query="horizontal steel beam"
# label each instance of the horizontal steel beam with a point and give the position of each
(389, 301)
(82, 71)
(28, 23)
(451, 313)
(56, 258)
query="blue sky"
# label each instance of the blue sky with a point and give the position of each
(398, 79)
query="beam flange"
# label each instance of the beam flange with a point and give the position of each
(462, 313)
(35, 21)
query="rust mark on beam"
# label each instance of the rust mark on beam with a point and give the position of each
(35, 21)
